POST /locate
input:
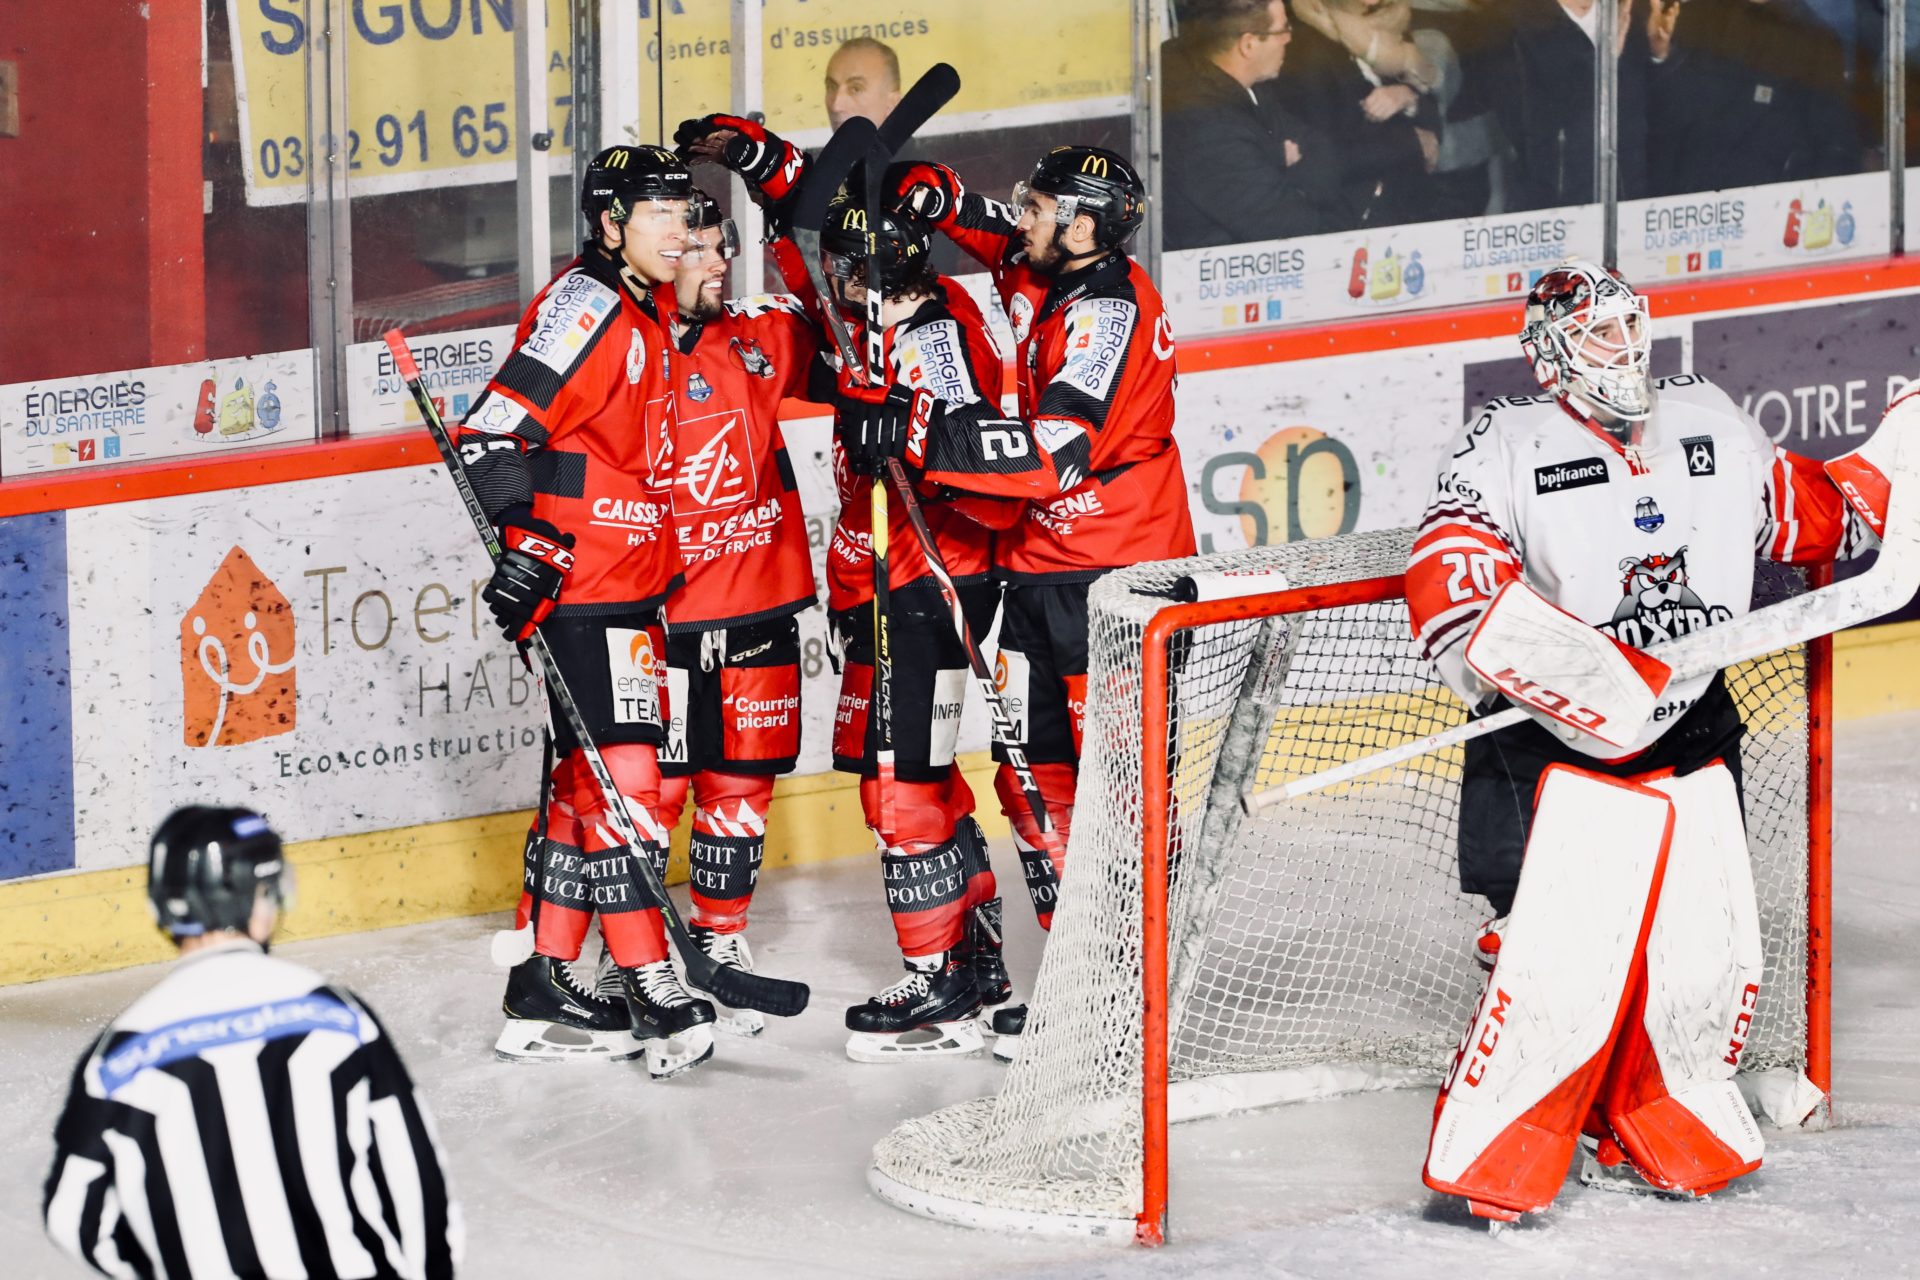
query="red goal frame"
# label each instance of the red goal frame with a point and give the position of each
(1150, 1227)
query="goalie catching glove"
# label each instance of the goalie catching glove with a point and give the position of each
(535, 560)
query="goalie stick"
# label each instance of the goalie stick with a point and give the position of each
(1890, 583)
(778, 996)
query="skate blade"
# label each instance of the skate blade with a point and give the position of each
(1007, 1048)
(935, 1040)
(1621, 1179)
(530, 1040)
(672, 1055)
(745, 1023)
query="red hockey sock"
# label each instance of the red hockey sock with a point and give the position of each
(927, 870)
(729, 841)
(1056, 783)
(631, 926)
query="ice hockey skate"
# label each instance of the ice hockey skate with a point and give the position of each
(929, 1013)
(1619, 1176)
(982, 948)
(1008, 1025)
(552, 1017)
(674, 1026)
(729, 949)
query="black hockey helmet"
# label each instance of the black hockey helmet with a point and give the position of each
(904, 241)
(704, 214)
(619, 177)
(208, 866)
(1093, 181)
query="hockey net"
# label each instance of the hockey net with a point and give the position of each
(1318, 949)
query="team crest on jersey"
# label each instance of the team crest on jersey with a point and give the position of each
(1656, 602)
(1699, 454)
(1646, 515)
(747, 354)
(699, 390)
(1020, 316)
(636, 358)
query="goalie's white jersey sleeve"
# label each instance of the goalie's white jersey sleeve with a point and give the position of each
(1646, 543)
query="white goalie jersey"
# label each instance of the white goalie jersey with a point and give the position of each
(1646, 542)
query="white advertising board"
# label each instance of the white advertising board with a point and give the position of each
(456, 368)
(171, 411)
(315, 650)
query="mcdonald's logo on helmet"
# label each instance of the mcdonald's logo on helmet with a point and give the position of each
(1096, 182)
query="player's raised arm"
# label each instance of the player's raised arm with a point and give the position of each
(984, 228)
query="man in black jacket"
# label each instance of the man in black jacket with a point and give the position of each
(1547, 111)
(1747, 92)
(1239, 168)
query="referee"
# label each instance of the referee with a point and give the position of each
(244, 1118)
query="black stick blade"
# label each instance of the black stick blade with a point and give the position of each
(932, 91)
(778, 996)
(824, 176)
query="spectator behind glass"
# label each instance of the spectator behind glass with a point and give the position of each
(1384, 130)
(1747, 92)
(1236, 166)
(863, 79)
(1548, 110)
(1411, 55)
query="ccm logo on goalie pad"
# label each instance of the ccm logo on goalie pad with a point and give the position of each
(1743, 1024)
(1488, 1025)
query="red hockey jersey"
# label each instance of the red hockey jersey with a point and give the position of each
(736, 506)
(1096, 370)
(946, 348)
(575, 426)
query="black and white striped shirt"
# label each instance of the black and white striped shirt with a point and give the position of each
(244, 1118)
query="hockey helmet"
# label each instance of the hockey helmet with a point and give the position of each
(1093, 181)
(1588, 336)
(207, 867)
(705, 214)
(903, 241)
(620, 177)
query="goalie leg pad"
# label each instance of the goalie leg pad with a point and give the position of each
(1670, 1096)
(1532, 1062)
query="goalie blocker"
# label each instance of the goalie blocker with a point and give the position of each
(1620, 1003)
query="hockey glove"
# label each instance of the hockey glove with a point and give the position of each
(533, 567)
(895, 426)
(772, 165)
(931, 190)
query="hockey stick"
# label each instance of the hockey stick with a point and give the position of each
(880, 518)
(1889, 584)
(848, 145)
(736, 987)
(982, 677)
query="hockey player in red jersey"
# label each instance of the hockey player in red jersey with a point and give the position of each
(940, 887)
(940, 358)
(1091, 449)
(733, 645)
(1625, 954)
(569, 451)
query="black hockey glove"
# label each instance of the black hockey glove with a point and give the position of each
(893, 427)
(533, 567)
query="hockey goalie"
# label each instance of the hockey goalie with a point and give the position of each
(1569, 535)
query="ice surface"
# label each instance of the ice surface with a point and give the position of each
(755, 1164)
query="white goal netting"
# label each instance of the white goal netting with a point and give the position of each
(1321, 947)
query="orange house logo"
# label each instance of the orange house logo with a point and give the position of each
(236, 658)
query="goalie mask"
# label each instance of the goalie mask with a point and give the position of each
(1588, 337)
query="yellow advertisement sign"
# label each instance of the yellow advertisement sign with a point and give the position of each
(429, 92)
(430, 82)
